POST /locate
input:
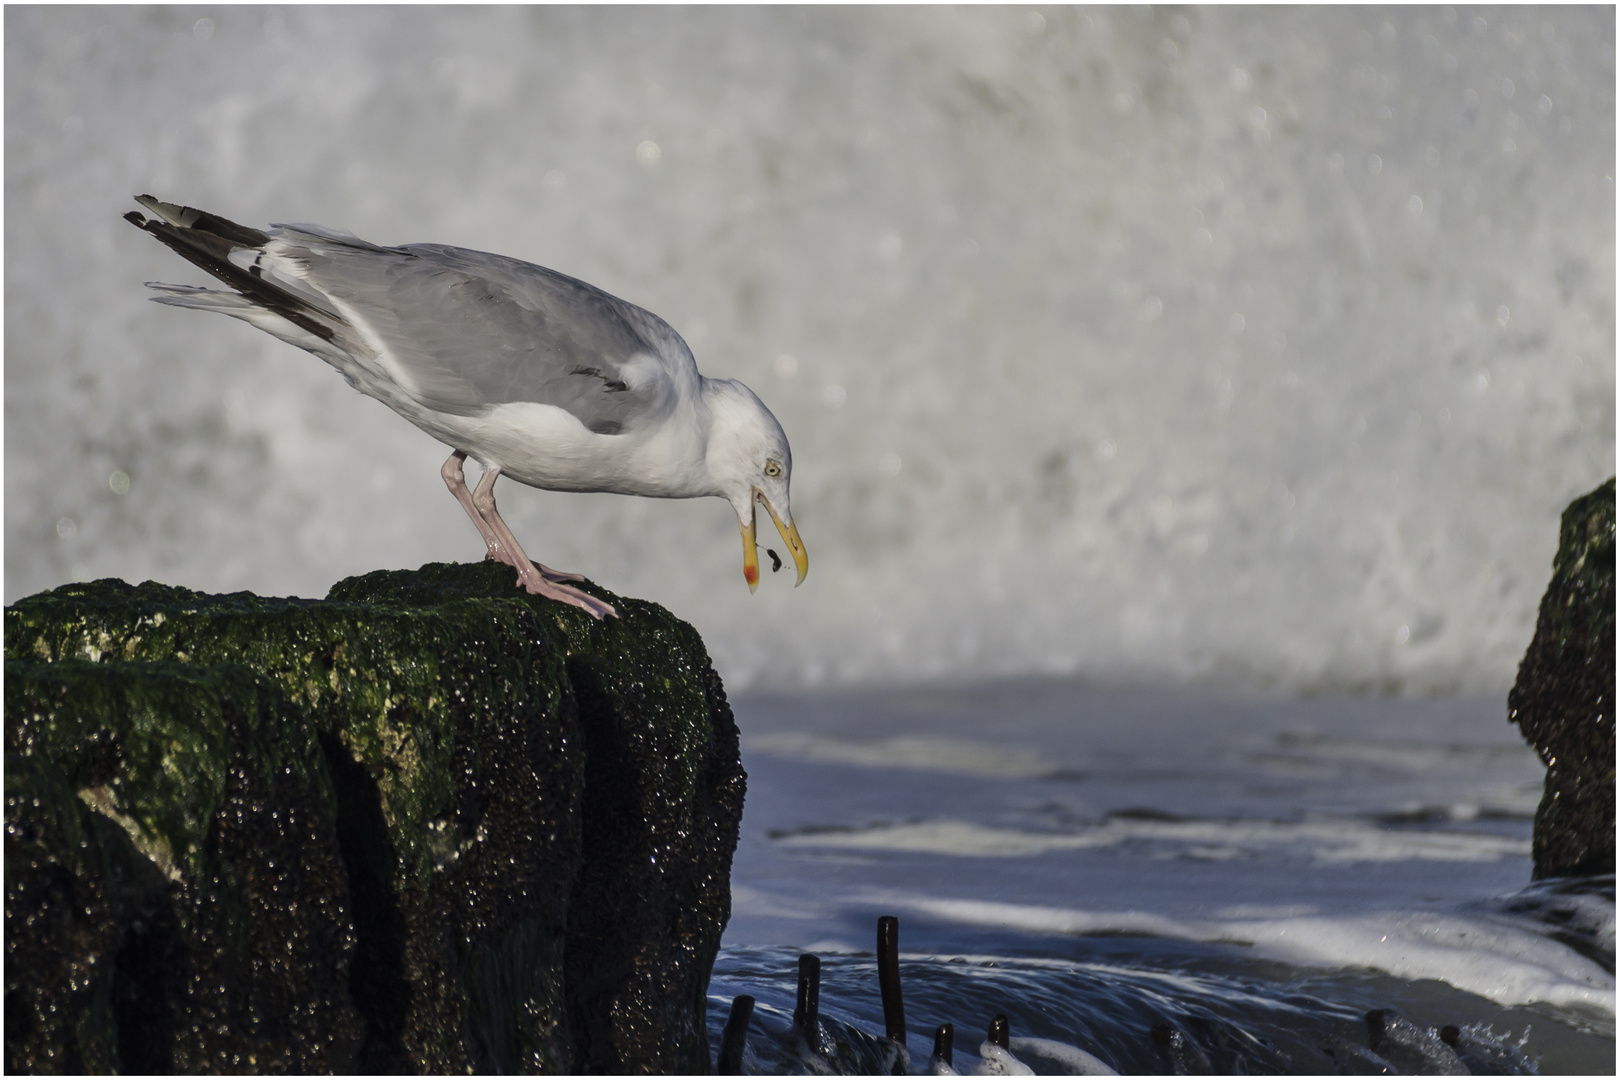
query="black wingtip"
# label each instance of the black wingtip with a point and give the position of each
(1001, 1032)
(206, 240)
(944, 1040)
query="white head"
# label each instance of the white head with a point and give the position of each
(749, 462)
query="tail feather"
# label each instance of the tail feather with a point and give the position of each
(208, 240)
(194, 296)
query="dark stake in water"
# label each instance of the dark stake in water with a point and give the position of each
(1106, 1017)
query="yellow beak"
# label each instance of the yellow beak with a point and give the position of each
(790, 536)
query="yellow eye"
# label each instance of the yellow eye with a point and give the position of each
(772, 469)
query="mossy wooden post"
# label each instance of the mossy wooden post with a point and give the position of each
(428, 824)
(1563, 700)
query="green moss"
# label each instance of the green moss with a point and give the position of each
(147, 743)
(68, 885)
(1583, 569)
(1563, 700)
(425, 824)
(390, 667)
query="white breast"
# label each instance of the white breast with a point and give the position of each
(547, 447)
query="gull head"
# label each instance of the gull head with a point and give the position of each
(750, 464)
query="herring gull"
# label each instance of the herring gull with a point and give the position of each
(533, 374)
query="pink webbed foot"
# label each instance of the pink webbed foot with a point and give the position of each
(537, 585)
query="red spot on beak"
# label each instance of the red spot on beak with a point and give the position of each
(752, 574)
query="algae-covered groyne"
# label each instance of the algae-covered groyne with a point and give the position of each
(427, 824)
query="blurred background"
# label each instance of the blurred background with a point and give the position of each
(1251, 346)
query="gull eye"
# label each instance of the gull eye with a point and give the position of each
(772, 469)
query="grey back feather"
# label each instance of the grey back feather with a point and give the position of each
(473, 329)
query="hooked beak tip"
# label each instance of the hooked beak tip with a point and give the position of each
(790, 537)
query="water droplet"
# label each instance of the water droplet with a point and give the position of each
(66, 528)
(1036, 22)
(1236, 323)
(1375, 164)
(1544, 106)
(889, 464)
(1402, 635)
(202, 29)
(787, 366)
(1152, 308)
(649, 153)
(1507, 88)
(1414, 205)
(1240, 79)
(119, 482)
(1106, 450)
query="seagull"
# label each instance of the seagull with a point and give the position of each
(533, 374)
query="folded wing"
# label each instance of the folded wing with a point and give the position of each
(457, 330)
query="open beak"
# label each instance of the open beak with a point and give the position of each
(790, 536)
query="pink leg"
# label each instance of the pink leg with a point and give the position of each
(485, 497)
(529, 575)
(456, 481)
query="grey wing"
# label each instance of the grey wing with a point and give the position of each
(469, 330)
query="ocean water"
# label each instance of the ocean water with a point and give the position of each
(1258, 872)
(1255, 345)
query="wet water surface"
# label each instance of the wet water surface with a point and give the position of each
(1252, 877)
